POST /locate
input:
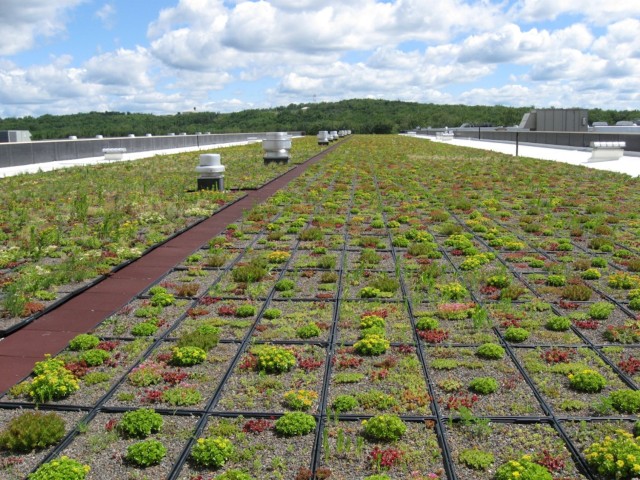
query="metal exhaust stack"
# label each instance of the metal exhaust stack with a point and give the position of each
(211, 172)
(323, 137)
(276, 147)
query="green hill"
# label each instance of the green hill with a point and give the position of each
(358, 115)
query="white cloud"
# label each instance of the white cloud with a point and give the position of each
(388, 73)
(294, 83)
(195, 34)
(515, 95)
(106, 14)
(24, 21)
(598, 12)
(621, 40)
(290, 51)
(125, 68)
(42, 89)
(510, 44)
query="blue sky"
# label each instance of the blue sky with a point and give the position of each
(167, 56)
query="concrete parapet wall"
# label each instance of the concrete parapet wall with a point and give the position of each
(27, 153)
(565, 139)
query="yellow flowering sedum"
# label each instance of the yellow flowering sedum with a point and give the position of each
(523, 469)
(608, 457)
(300, 399)
(278, 256)
(61, 468)
(52, 381)
(272, 359)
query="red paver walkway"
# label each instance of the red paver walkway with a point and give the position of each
(51, 332)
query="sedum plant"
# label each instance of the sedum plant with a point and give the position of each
(385, 428)
(140, 423)
(292, 424)
(84, 341)
(300, 399)
(52, 381)
(212, 452)
(32, 430)
(63, 468)
(617, 456)
(273, 359)
(490, 351)
(372, 345)
(146, 453)
(187, 356)
(476, 459)
(588, 381)
(523, 469)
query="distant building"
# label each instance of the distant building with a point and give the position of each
(7, 136)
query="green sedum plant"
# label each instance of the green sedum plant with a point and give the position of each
(372, 345)
(370, 292)
(187, 356)
(84, 341)
(491, 351)
(146, 453)
(63, 468)
(344, 403)
(140, 423)
(601, 310)
(309, 330)
(233, 474)
(476, 459)
(32, 430)
(523, 469)
(94, 357)
(272, 313)
(284, 285)
(483, 385)
(591, 274)
(182, 395)
(212, 452)
(292, 424)
(245, 311)
(588, 381)
(370, 321)
(273, 359)
(384, 428)
(626, 401)
(144, 329)
(516, 334)
(427, 323)
(205, 336)
(556, 280)
(376, 399)
(558, 324)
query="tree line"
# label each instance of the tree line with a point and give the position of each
(358, 115)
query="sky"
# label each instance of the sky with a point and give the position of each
(169, 56)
